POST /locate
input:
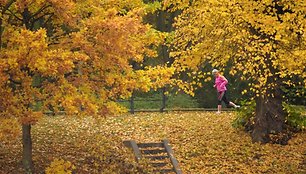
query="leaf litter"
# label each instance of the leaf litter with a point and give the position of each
(203, 142)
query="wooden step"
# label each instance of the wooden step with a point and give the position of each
(159, 165)
(160, 155)
(155, 157)
(154, 151)
(164, 171)
(146, 145)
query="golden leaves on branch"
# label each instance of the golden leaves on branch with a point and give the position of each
(263, 39)
(81, 69)
(9, 128)
(113, 42)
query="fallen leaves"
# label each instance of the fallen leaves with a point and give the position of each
(203, 142)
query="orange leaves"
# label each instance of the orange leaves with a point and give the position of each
(114, 44)
(9, 128)
(115, 39)
(27, 49)
(24, 47)
(30, 118)
(84, 71)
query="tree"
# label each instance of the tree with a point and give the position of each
(265, 42)
(71, 56)
(24, 58)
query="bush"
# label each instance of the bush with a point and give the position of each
(245, 115)
(296, 116)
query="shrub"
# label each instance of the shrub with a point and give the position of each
(245, 115)
(296, 116)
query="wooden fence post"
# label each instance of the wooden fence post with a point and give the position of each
(132, 106)
(164, 99)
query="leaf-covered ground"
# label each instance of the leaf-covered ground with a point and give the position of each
(203, 142)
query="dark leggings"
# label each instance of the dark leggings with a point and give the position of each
(222, 97)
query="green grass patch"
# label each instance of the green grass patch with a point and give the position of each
(154, 101)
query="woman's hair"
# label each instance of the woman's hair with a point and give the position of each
(215, 71)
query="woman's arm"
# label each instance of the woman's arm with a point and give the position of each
(224, 81)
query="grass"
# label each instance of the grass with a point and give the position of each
(180, 100)
(203, 142)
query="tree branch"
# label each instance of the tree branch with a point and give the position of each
(7, 6)
(12, 13)
(40, 10)
(49, 18)
(40, 17)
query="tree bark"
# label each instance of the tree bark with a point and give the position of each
(27, 149)
(269, 118)
(1, 31)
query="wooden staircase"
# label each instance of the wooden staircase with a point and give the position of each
(160, 155)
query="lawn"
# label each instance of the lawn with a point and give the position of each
(203, 142)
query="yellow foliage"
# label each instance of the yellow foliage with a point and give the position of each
(74, 56)
(59, 166)
(264, 40)
(79, 71)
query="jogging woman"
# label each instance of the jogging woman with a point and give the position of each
(220, 85)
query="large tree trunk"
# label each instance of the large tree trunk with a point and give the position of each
(27, 149)
(269, 117)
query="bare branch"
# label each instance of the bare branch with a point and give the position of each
(40, 10)
(12, 13)
(7, 6)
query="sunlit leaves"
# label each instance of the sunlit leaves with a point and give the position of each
(263, 39)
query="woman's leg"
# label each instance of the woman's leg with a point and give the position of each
(220, 97)
(219, 109)
(229, 103)
(234, 105)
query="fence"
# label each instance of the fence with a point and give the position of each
(132, 100)
(163, 105)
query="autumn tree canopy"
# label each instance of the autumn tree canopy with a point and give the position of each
(265, 41)
(72, 56)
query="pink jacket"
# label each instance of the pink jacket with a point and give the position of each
(220, 83)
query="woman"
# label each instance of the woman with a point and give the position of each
(220, 84)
